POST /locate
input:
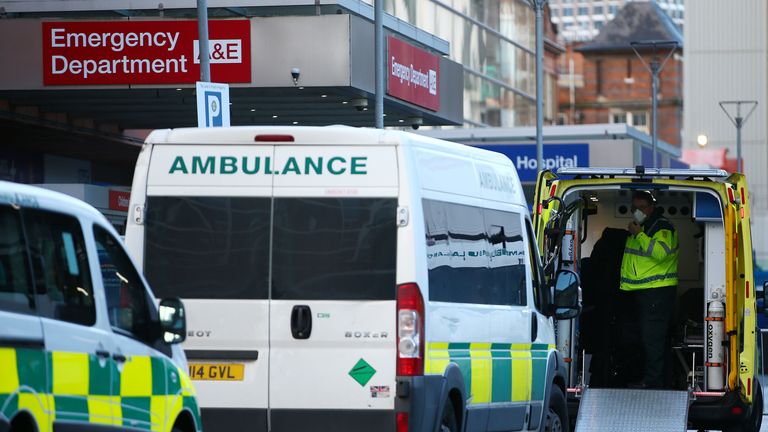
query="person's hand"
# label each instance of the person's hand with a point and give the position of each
(634, 228)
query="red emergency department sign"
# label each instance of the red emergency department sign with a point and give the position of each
(414, 74)
(143, 52)
(119, 200)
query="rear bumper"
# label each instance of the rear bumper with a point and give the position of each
(714, 413)
(290, 420)
(234, 419)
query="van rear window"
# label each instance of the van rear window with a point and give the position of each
(322, 248)
(334, 249)
(208, 247)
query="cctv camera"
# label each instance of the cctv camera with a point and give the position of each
(416, 122)
(295, 74)
(360, 104)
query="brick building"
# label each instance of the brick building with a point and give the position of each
(603, 81)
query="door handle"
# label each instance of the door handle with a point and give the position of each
(119, 358)
(102, 354)
(301, 322)
(534, 327)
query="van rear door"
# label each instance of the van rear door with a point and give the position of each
(740, 291)
(333, 288)
(207, 240)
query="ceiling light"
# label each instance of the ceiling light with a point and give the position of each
(344, 102)
(274, 116)
(253, 109)
(401, 121)
(323, 96)
(178, 89)
(295, 122)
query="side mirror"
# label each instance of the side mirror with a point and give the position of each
(567, 304)
(760, 298)
(173, 320)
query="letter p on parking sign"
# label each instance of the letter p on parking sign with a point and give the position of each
(212, 104)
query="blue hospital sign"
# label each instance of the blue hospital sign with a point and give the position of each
(212, 104)
(556, 156)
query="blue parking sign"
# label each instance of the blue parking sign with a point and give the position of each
(212, 104)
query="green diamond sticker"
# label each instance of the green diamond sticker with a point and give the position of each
(362, 372)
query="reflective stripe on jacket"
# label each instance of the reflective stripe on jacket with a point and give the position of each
(650, 257)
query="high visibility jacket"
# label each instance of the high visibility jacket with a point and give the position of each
(650, 257)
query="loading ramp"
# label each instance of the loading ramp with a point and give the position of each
(630, 410)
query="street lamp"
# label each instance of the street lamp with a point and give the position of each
(738, 121)
(654, 67)
(538, 6)
(702, 140)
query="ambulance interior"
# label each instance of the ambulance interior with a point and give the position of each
(608, 352)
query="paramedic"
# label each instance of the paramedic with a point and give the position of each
(649, 273)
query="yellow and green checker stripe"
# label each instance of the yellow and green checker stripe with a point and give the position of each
(148, 394)
(494, 372)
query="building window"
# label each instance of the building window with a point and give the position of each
(599, 24)
(567, 11)
(640, 120)
(636, 119)
(612, 9)
(583, 11)
(597, 10)
(618, 118)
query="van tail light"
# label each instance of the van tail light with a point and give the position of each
(743, 196)
(552, 190)
(731, 198)
(402, 422)
(410, 330)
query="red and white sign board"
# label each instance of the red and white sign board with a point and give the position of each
(119, 200)
(143, 52)
(414, 74)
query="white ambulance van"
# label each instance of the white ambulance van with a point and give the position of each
(84, 345)
(342, 279)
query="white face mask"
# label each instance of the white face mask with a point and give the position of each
(639, 216)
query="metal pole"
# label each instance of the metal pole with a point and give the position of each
(378, 14)
(654, 107)
(738, 143)
(654, 67)
(202, 36)
(738, 120)
(539, 6)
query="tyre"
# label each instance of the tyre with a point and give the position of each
(448, 423)
(556, 419)
(755, 419)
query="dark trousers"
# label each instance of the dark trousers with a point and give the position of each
(656, 308)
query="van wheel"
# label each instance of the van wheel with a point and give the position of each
(448, 423)
(557, 415)
(755, 419)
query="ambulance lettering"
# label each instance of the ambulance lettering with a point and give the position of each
(253, 165)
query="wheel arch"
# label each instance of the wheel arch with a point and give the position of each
(185, 421)
(556, 375)
(24, 418)
(454, 391)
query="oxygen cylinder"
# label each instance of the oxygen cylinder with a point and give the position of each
(715, 360)
(568, 253)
